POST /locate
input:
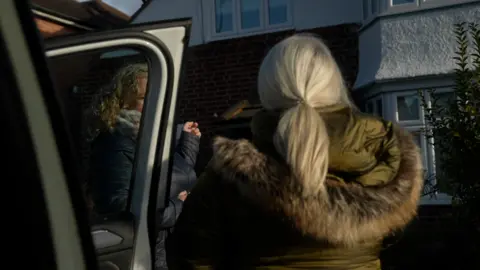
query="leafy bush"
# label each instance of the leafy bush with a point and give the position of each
(454, 127)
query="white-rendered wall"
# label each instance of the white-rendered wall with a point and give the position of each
(307, 14)
(412, 44)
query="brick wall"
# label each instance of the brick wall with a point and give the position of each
(49, 29)
(221, 73)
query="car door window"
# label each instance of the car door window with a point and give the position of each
(103, 100)
(102, 94)
(39, 118)
(118, 94)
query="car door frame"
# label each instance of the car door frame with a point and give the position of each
(156, 164)
(39, 101)
(38, 116)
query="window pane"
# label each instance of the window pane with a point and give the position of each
(104, 132)
(277, 11)
(379, 105)
(223, 16)
(250, 13)
(401, 2)
(365, 9)
(408, 108)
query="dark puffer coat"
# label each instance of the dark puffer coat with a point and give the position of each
(112, 160)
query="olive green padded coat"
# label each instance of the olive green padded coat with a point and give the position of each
(247, 211)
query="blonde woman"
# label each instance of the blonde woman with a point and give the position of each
(319, 187)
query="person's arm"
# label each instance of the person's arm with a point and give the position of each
(171, 213)
(197, 237)
(188, 148)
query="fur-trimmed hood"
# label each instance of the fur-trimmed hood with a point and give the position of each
(128, 123)
(342, 213)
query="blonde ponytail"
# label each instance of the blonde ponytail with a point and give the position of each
(301, 138)
(299, 76)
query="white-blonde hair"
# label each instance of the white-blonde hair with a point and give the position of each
(299, 75)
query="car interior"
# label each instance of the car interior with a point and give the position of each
(51, 104)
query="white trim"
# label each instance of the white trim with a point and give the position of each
(210, 23)
(238, 19)
(423, 145)
(289, 21)
(431, 141)
(421, 5)
(402, 7)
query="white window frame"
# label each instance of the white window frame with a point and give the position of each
(209, 11)
(420, 121)
(428, 153)
(433, 170)
(402, 7)
(237, 17)
(423, 145)
(439, 3)
(419, 5)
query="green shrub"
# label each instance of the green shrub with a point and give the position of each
(454, 127)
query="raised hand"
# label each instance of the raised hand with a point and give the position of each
(192, 127)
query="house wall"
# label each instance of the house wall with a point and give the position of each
(414, 44)
(306, 14)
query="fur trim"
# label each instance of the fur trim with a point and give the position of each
(128, 123)
(342, 214)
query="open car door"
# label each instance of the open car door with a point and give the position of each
(41, 125)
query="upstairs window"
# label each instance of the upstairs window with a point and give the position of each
(237, 17)
(402, 2)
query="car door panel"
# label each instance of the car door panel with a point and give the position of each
(126, 241)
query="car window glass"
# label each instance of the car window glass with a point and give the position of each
(102, 95)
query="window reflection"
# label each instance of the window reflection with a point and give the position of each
(223, 16)
(408, 108)
(277, 11)
(250, 13)
(401, 2)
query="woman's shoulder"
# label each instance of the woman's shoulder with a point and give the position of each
(112, 141)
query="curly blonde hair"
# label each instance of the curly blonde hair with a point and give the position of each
(122, 91)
